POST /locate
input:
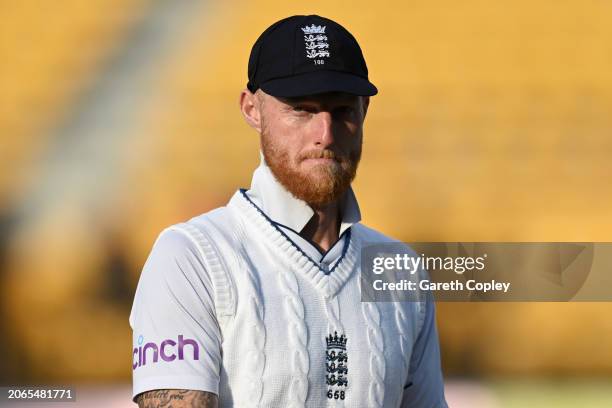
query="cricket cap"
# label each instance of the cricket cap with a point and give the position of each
(308, 55)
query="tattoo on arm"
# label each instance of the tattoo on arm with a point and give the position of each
(177, 399)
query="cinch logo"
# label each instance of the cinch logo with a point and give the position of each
(166, 349)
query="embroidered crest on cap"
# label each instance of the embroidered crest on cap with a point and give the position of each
(316, 43)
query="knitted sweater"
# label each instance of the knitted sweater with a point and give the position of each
(227, 303)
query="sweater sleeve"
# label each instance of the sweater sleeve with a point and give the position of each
(176, 335)
(425, 386)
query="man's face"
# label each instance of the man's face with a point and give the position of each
(313, 144)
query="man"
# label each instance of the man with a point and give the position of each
(257, 304)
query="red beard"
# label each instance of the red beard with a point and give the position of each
(324, 184)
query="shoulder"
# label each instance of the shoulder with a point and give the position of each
(192, 233)
(369, 236)
(185, 261)
(187, 245)
(218, 216)
(205, 237)
(174, 240)
(207, 244)
(219, 224)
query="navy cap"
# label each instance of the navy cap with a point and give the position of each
(308, 55)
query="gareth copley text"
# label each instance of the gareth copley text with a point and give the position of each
(456, 285)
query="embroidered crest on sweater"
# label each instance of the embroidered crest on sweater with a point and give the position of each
(336, 362)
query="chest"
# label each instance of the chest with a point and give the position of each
(299, 345)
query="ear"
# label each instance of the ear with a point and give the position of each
(251, 109)
(365, 102)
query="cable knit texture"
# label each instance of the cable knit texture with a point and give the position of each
(402, 322)
(224, 295)
(377, 360)
(332, 310)
(298, 338)
(282, 307)
(256, 357)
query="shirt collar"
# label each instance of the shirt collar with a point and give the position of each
(282, 207)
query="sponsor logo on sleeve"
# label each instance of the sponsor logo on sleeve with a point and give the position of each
(168, 350)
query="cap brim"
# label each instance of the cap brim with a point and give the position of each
(317, 82)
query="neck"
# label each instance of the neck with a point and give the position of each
(324, 226)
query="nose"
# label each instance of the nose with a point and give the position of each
(324, 129)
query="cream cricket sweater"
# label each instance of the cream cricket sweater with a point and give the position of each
(227, 303)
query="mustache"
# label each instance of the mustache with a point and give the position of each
(322, 154)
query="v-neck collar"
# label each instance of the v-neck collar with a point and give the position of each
(328, 284)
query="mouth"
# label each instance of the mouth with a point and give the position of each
(322, 163)
(321, 160)
(324, 156)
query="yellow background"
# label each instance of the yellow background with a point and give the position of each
(493, 123)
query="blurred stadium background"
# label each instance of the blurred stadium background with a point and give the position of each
(120, 117)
